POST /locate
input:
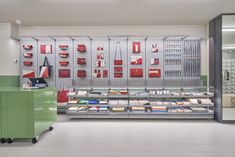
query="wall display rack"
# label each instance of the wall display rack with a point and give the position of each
(89, 62)
(186, 103)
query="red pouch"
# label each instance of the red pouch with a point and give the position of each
(28, 47)
(136, 60)
(28, 55)
(105, 73)
(28, 63)
(118, 69)
(136, 47)
(46, 49)
(28, 74)
(64, 63)
(155, 73)
(81, 48)
(81, 61)
(154, 61)
(64, 73)
(117, 62)
(136, 72)
(81, 73)
(63, 47)
(118, 75)
(64, 54)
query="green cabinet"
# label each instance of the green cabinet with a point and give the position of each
(27, 113)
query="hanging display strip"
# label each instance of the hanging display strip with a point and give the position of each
(64, 62)
(103, 62)
(191, 65)
(28, 60)
(82, 62)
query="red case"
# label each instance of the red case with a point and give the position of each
(136, 47)
(64, 73)
(28, 73)
(28, 55)
(81, 48)
(81, 61)
(155, 73)
(28, 47)
(138, 61)
(64, 54)
(154, 61)
(118, 75)
(81, 73)
(63, 47)
(28, 63)
(136, 72)
(118, 69)
(118, 62)
(64, 63)
(105, 73)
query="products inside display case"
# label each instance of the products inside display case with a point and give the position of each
(187, 102)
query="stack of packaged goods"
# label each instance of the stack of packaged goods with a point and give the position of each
(93, 109)
(199, 109)
(93, 102)
(83, 109)
(103, 108)
(159, 109)
(138, 109)
(118, 109)
(83, 102)
(73, 109)
(179, 110)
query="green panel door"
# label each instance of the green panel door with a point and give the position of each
(17, 119)
(0, 115)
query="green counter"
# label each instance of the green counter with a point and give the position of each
(26, 113)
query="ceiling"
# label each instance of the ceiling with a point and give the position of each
(113, 12)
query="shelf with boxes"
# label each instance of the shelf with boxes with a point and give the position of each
(147, 103)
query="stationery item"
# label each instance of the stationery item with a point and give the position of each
(81, 61)
(154, 48)
(73, 109)
(28, 55)
(118, 61)
(100, 48)
(136, 72)
(154, 61)
(118, 75)
(64, 73)
(46, 49)
(28, 47)
(136, 60)
(83, 102)
(99, 56)
(118, 69)
(136, 47)
(81, 73)
(28, 63)
(154, 72)
(45, 69)
(92, 102)
(64, 47)
(100, 64)
(82, 93)
(28, 73)
(64, 63)
(81, 48)
(105, 73)
(118, 109)
(97, 73)
(64, 54)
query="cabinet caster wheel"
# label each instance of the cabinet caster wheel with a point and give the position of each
(3, 140)
(50, 128)
(34, 140)
(10, 140)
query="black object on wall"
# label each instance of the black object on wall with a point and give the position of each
(215, 63)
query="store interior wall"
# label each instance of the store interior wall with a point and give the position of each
(9, 47)
(9, 68)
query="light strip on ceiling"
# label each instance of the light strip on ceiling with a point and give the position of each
(228, 48)
(229, 29)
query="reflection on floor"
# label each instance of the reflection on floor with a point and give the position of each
(228, 113)
(129, 138)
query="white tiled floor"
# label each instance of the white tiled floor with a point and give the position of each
(129, 138)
